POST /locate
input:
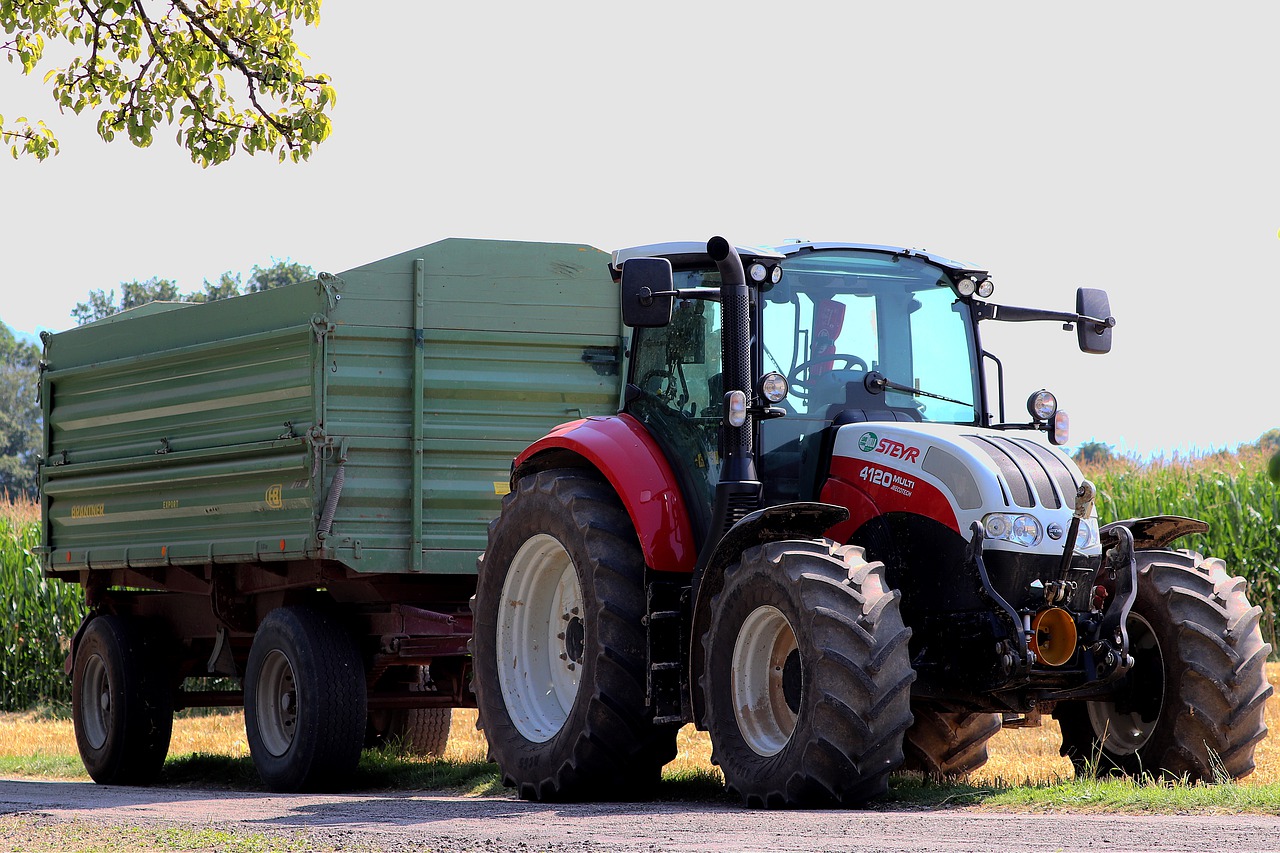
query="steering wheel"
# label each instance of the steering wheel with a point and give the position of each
(850, 361)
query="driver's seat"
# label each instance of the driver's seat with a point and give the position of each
(861, 405)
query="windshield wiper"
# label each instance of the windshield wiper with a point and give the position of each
(876, 383)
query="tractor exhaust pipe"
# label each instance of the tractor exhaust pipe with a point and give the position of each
(738, 491)
(735, 314)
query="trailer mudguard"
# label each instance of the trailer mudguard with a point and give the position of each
(622, 450)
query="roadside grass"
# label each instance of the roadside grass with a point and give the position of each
(1024, 773)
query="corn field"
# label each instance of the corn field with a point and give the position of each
(39, 617)
(1230, 491)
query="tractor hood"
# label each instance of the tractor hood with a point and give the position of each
(1021, 489)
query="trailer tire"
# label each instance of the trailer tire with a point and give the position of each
(1193, 703)
(121, 701)
(807, 676)
(417, 731)
(948, 744)
(305, 701)
(559, 645)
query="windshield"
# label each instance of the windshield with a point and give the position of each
(838, 314)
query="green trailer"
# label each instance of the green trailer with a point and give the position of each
(291, 489)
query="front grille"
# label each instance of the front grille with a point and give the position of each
(1025, 466)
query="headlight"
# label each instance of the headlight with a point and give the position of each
(996, 526)
(967, 286)
(1087, 535)
(1042, 405)
(986, 288)
(757, 272)
(1024, 530)
(773, 387)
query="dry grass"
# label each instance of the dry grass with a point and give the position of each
(1016, 755)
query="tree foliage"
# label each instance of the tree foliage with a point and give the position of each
(20, 422)
(228, 74)
(1269, 441)
(1093, 453)
(103, 303)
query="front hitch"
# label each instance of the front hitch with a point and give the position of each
(1115, 622)
(1017, 656)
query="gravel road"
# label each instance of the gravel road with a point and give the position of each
(403, 821)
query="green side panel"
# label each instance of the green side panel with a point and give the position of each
(186, 455)
(215, 433)
(497, 369)
(242, 504)
(489, 286)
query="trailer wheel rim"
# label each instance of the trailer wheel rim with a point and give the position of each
(541, 638)
(277, 703)
(766, 680)
(95, 710)
(1124, 727)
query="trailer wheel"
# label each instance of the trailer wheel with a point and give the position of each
(121, 702)
(807, 676)
(1193, 703)
(560, 664)
(304, 701)
(418, 731)
(947, 744)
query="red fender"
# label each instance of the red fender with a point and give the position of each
(881, 494)
(861, 509)
(622, 450)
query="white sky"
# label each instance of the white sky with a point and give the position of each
(1130, 147)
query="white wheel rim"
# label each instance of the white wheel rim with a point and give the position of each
(95, 702)
(277, 703)
(541, 638)
(1126, 733)
(765, 642)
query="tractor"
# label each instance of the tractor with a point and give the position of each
(812, 531)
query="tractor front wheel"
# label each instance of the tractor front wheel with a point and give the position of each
(807, 677)
(1192, 705)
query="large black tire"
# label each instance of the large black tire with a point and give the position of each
(948, 744)
(807, 677)
(559, 645)
(418, 731)
(121, 701)
(305, 701)
(1193, 703)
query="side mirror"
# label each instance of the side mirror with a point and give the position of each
(1094, 338)
(647, 292)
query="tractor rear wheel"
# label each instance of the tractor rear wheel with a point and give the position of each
(559, 644)
(807, 677)
(1192, 705)
(947, 744)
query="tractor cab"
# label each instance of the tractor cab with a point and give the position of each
(861, 333)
